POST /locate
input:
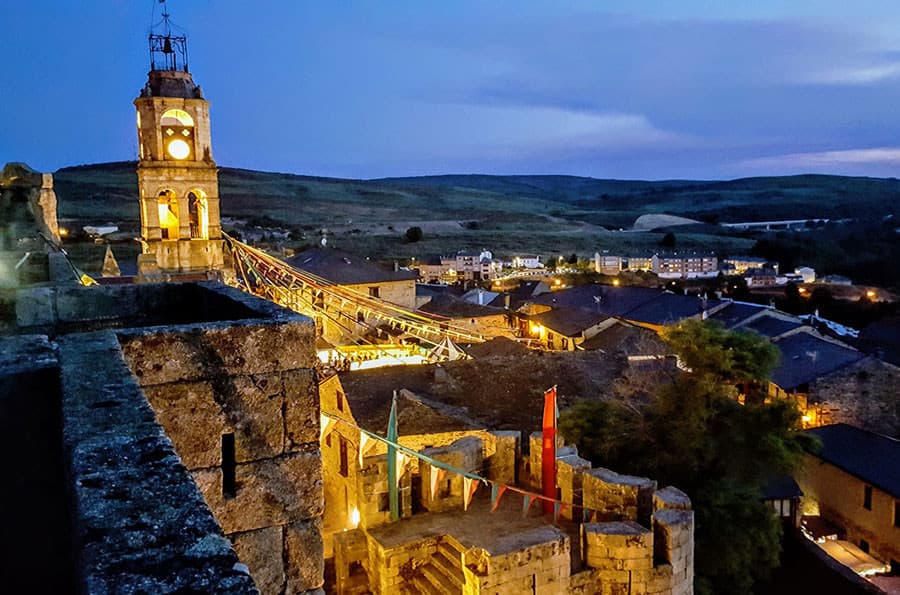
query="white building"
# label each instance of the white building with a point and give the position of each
(527, 262)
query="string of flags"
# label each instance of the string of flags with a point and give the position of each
(440, 470)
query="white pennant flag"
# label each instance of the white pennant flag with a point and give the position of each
(364, 442)
(468, 490)
(436, 474)
(401, 459)
(325, 424)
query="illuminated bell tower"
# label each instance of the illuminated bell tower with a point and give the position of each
(181, 235)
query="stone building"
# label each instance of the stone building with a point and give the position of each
(638, 540)
(181, 234)
(852, 482)
(361, 277)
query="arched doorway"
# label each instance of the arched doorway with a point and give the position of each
(198, 211)
(168, 215)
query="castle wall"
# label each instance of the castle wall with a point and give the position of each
(135, 508)
(250, 384)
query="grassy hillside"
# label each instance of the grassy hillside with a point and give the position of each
(544, 214)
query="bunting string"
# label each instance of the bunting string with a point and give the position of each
(471, 481)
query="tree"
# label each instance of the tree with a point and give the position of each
(692, 433)
(668, 240)
(414, 234)
(573, 259)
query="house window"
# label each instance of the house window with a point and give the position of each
(867, 498)
(360, 317)
(328, 440)
(340, 401)
(384, 502)
(344, 469)
(565, 344)
(864, 545)
(373, 292)
(550, 341)
(897, 513)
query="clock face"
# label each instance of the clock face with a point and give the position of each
(178, 149)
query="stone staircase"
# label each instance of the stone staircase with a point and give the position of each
(442, 574)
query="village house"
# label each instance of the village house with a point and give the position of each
(477, 266)
(607, 264)
(436, 269)
(486, 321)
(526, 262)
(760, 277)
(741, 264)
(359, 275)
(565, 329)
(686, 266)
(852, 482)
(808, 274)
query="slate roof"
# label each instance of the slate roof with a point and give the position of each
(736, 312)
(568, 321)
(626, 338)
(781, 487)
(454, 307)
(806, 356)
(345, 269)
(873, 458)
(771, 327)
(614, 301)
(415, 415)
(882, 336)
(668, 308)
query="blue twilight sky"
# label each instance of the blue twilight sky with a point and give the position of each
(627, 89)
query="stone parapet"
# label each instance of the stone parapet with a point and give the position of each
(618, 497)
(135, 508)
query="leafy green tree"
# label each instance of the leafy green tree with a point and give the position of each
(414, 234)
(694, 434)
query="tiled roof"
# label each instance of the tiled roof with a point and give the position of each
(345, 269)
(806, 356)
(873, 458)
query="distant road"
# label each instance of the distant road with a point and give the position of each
(783, 224)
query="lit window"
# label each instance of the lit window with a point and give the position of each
(198, 211)
(176, 117)
(168, 215)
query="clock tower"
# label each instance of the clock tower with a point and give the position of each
(181, 236)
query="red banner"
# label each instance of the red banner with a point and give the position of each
(548, 450)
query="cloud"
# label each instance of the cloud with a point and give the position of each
(860, 75)
(827, 159)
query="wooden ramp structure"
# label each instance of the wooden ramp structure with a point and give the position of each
(266, 276)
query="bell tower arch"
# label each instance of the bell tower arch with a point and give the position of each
(181, 233)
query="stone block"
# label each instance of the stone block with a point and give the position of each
(616, 496)
(210, 350)
(76, 304)
(270, 492)
(36, 307)
(304, 555)
(192, 420)
(671, 497)
(261, 551)
(673, 536)
(301, 398)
